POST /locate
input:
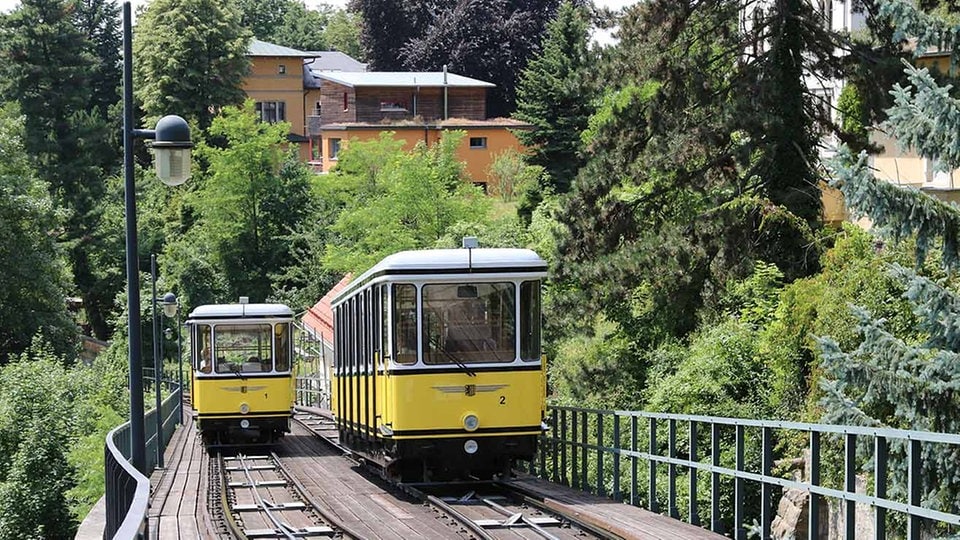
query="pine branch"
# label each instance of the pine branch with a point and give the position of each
(897, 211)
(924, 117)
(937, 308)
(930, 32)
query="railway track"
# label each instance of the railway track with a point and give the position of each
(260, 499)
(488, 509)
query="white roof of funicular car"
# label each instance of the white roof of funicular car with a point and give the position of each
(237, 311)
(434, 262)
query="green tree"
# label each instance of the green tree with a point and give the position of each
(34, 274)
(99, 21)
(49, 69)
(556, 93)
(511, 176)
(342, 33)
(190, 58)
(892, 377)
(399, 200)
(678, 197)
(263, 17)
(35, 430)
(303, 28)
(256, 193)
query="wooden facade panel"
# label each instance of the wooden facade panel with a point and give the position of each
(332, 103)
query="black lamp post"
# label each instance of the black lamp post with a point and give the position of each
(171, 310)
(172, 148)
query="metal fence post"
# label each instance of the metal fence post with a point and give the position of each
(672, 469)
(716, 523)
(766, 489)
(563, 447)
(634, 492)
(913, 481)
(694, 517)
(600, 490)
(880, 486)
(652, 484)
(738, 486)
(850, 485)
(617, 496)
(584, 427)
(573, 451)
(813, 528)
(553, 446)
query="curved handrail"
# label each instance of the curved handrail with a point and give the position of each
(129, 506)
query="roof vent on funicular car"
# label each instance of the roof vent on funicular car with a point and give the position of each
(469, 243)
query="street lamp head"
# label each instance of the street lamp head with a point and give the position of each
(168, 333)
(171, 146)
(169, 304)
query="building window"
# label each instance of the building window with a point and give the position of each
(346, 104)
(316, 109)
(271, 111)
(282, 69)
(478, 142)
(334, 148)
(393, 106)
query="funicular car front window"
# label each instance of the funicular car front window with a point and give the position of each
(243, 348)
(469, 323)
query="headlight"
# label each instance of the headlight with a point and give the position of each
(471, 422)
(470, 446)
(244, 408)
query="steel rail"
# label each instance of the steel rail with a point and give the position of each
(278, 524)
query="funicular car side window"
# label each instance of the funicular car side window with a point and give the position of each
(405, 319)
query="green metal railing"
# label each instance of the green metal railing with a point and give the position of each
(127, 491)
(599, 451)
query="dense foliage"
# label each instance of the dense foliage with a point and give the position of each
(191, 58)
(57, 60)
(907, 377)
(34, 278)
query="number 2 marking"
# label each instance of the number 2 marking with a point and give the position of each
(503, 400)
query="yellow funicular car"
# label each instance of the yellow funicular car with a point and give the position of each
(242, 381)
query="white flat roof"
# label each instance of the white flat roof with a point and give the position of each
(399, 78)
(231, 311)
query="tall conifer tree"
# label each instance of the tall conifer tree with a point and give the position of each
(48, 66)
(909, 381)
(556, 94)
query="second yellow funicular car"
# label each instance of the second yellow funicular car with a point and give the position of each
(242, 381)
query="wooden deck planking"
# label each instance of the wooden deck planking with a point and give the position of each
(179, 487)
(629, 521)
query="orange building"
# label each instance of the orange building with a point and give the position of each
(276, 85)
(328, 100)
